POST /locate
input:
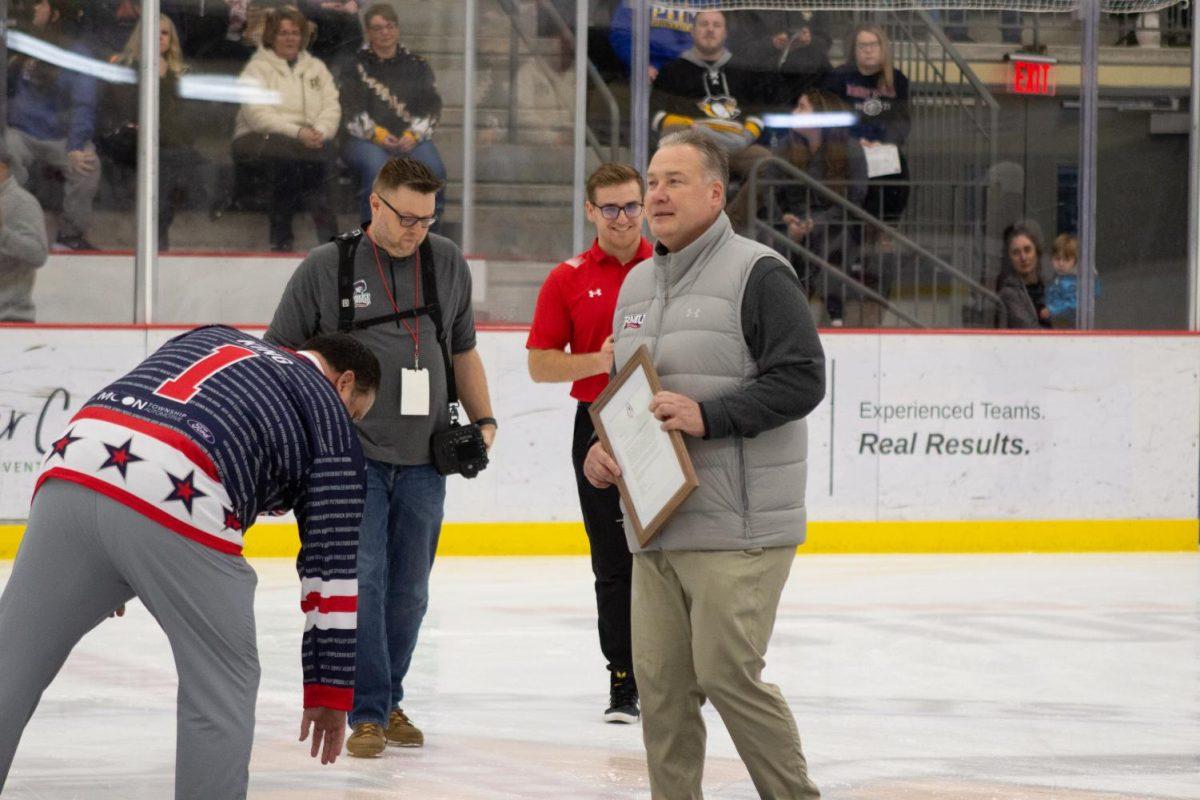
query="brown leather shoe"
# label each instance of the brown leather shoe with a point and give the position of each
(367, 741)
(401, 732)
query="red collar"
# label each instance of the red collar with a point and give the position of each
(600, 258)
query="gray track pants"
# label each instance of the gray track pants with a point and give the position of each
(82, 556)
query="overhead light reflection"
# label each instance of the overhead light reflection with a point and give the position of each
(226, 89)
(823, 119)
(211, 87)
(68, 59)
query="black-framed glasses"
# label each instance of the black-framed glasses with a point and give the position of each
(612, 210)
(407, 221)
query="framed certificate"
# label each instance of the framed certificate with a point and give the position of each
(656, 472)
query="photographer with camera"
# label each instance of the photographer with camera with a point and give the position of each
(406, 295)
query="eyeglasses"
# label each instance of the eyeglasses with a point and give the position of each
(407, 221)
(383, 27)
(867, 45)
(612, 210)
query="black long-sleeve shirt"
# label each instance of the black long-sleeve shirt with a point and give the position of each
(782, 338)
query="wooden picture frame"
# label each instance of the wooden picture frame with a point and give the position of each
(656, 471)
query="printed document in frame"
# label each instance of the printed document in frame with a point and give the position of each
(656, 472)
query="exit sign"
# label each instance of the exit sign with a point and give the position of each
(1032, 74)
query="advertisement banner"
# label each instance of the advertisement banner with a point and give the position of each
(913, 427)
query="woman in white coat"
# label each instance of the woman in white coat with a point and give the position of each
(286, 136)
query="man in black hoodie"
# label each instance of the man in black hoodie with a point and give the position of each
(706, 89)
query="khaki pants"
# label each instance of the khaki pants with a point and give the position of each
(701, 624)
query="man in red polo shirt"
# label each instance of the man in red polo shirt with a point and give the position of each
(575, 307)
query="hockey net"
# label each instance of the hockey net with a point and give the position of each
(1044, 6)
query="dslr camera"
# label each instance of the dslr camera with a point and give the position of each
(459, 450)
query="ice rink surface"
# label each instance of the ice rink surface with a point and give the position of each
(994, 677)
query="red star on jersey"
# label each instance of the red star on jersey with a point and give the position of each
(59, 447)
(185, 490)
(231, 520)
(120, 457)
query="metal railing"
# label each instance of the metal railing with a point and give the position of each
(1173, 25)
(860, 265)
(953, 141)
(517, 37)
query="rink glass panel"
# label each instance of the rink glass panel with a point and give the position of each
(966, 186)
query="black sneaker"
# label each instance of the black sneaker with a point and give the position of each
(73, 243)
(622, 698)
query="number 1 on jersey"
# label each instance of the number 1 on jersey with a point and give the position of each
(186, 385)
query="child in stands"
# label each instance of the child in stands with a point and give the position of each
(1061, 293)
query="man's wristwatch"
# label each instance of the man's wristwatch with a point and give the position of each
(487, 421)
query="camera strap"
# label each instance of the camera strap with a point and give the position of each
(347, 244)
(430, 296)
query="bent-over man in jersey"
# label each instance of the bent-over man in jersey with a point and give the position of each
(148, 494)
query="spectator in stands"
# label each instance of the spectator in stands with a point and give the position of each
(831, 156)
(702, 89)
(390, 104)
(1061, 294)
(1022, 281)
(339, 33)
(878, 92)
(23, 245)
(670, 35)
(333, 33)
(290, 140)
(179, 163)
(51, 119)
(212, 30)
(805, 60)
(792, 46)
(108, 23)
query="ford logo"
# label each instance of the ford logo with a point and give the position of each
(202, 431)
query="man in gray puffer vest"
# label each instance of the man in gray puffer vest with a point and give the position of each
(728, 328)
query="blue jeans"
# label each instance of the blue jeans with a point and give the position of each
(396, 546)
(367, 158)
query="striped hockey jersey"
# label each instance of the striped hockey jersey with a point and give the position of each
(215, 428)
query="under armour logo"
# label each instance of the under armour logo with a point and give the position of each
(692, 313)
(594, 292)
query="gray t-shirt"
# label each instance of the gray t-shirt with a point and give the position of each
(310, 306)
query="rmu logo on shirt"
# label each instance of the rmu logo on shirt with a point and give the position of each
(595, 292)
(634, 321)
(362, 298)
